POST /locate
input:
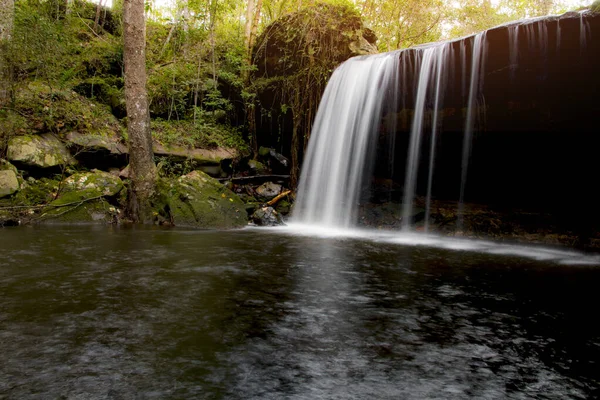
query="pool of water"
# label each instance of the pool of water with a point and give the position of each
(110, 313)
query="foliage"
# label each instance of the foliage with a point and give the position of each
(203, 133)
(471, 16)
(404, 23)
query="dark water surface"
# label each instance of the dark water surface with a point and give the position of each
(109, 313)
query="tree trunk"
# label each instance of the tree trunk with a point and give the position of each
(141, 158)
(252, 19)
(249, 22)
(97, 19)
(7, 16)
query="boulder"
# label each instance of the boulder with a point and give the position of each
(98, 150)
(83, 199)
(9, 183)
(197, 200)
(268, 190)
(96, 142)
(92, 184)
(294, 57)
(267, 216)
(41, 151)
(206, 160)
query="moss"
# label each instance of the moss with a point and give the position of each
(200, 201)
(40, 151)
(595, 7)
(36, 192)
(200, 134)
(98, 211)
(48, 109)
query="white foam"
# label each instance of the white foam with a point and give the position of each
(402, 238)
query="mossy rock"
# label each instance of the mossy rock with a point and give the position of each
(8, 183)
(197, 200)
(94, 211)
(43, 151)
(54, 110)
(83, 198)
(88, 185)
(35, 192)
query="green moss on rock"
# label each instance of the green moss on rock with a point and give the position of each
(83, 198)
(200, 201)
(41, 151)
(95, 211)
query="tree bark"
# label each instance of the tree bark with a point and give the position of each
(7, 16)
(141, 157)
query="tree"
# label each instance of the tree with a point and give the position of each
(141, 158)
(7, 15)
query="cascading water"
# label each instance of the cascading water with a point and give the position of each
(431, 70)
(367, 95)
(338, 153)
(477, 59)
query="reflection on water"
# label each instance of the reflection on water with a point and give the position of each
(108, 313)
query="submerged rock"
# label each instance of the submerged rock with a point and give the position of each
(200, 201)
(267, 216)
(41, 151)
(9, 183)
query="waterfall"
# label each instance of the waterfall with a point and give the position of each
(477, 59)
(338, 154)
(368, 95)
(432, 62)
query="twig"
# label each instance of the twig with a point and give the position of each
(278, 197)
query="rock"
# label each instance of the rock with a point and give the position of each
(283, 207)
(268, 190)
(125, 172)
(97, 211)
(42, 151)
(206, 160)
(93, 184)
(198, 200)
(79, 199)
(98, 150)
(267, 216)
(257, 168)
(277, 162)
(329, 34)
(9, 183)
(96, 142)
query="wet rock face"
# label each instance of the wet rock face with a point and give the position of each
(535, 117)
